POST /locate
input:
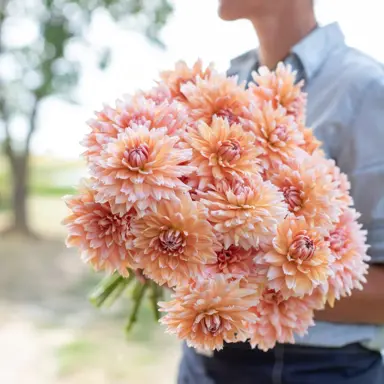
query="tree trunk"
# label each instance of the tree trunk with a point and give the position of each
(19, 168)
(19, 165)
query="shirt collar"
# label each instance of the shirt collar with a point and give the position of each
(314, 49)
(310, 53)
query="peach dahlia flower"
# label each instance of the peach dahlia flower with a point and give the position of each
(210, 312)
(103, 128)
(311, 144)
(104, 239)
(280, 88)
(299, 259)
(130, 112)
(279, 319)
(339, 178)
(276, 132)
(182, 74)
(348, 246)
(310, 190)
(244, 212)
(174, 241)
(140, 168)
(218, 96)
(234, 262)
(222, 151)
(158, 94)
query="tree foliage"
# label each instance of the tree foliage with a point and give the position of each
(37, 65)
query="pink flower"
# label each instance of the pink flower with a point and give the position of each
(103, 128)
(104, 239)
(130, 112)
(158, 94)
(310, 190)
(279, 319)
(348, 246)
(299, 259)
(244, 212)
(234, 262)
(279, 87)
(182, 74)
(340, 179)
(276, 132)
(216, 96)
(140, 168)
(311, 143)
(174, 242)
(210, 312)
(222, 151)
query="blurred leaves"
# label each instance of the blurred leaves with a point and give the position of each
(40, 63)
(113, 287)
(42, 45)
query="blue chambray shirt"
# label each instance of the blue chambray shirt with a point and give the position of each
(346, 109)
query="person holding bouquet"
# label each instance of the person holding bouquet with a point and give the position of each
(346, 111)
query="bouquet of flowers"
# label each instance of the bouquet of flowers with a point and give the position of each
(221, 194)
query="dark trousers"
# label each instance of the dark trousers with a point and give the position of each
(285, 364)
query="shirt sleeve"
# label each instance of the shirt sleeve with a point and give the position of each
(361, 157)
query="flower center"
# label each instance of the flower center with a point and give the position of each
(229, 150)
(292, 198)
(273, 297)
(116, 227)
(137, 157)
(338, 239)
(212, 324)
(280, 133)
(228, 114)
(302, 248)
(240, 188)
(225, 257)
(172, 242)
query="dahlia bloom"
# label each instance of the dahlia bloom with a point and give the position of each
(157, 94)
(234, 262)
(222, 151)
(182, 74)
(209, 312)
(347, 242)
(128, 113)
(311, 144)
(140, 168)
(216, 96)
(276, 132)
(139, 110)
(103, 129)
(104, 239)
(299, 259)
(244, 212)
(280, 88)
(310, 190)
(339, 178)
(174, 241)
(279, 319)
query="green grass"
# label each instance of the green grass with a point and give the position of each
(75, 355)
(50, 190)
(48, 177)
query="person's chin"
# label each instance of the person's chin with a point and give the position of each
(227, 15)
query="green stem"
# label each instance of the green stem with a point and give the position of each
(137, 297)
(110, 288)
(156, 293)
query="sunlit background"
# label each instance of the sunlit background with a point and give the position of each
(49, 332)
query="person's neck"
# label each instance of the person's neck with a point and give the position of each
(278, 34)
